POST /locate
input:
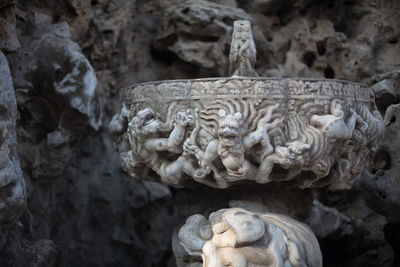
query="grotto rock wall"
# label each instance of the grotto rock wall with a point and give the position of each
(64, 199)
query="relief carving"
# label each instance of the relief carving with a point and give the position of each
(232, 143)
(148, 136)
(239, 237)
(223, 141)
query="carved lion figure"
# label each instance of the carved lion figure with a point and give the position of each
(238, 237)
(231, 144)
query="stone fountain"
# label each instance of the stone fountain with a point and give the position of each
(252, 134)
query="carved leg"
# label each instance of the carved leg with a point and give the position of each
(317, 120)
(265, 168)
(245, 237)
(175, 170)
(351, 123)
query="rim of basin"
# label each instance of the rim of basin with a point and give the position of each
(247, 78)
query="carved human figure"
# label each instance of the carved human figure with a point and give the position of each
(244, 238)
(242, 55)
(292, 156)
(145, 131)
(232, 143)
(334, 125)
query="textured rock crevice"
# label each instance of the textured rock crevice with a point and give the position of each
(12, 184)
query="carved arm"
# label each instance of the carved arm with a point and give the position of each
(244, 47)
(204, 157)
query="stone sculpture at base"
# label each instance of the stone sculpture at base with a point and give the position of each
(238, 237)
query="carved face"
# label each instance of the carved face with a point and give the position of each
(235, 228)
(146, 122)
(336, 107)
(231, 129)
(284, 155)
(292, 152)
(242, 26)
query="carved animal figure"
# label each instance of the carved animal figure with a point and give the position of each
(306, 151)
(144, 132)
(242, 55)
(232, 144)
(244, 238)
(373, 123)
(333, 125)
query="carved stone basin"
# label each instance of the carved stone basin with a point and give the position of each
(222, 131)
(240, 130)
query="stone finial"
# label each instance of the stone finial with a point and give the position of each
(242, 57)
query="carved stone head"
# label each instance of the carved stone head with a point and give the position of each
(231, 127)
(145, 122)
(242, 26)
(336, 107)
(238, 228)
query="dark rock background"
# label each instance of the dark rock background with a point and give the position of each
(64, 200)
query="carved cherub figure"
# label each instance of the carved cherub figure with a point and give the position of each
(292, 156)
(239, 237)
(311, 151)
(333, 125)
(145, 131)
(232, 144)
(242, 55)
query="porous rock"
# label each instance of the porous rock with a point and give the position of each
(325, 221)
(55, 86)
(8, 34)
(199, 32)
(12, 184)
(381, 186)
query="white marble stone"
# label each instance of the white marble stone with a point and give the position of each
(226, 131)
(239, 237)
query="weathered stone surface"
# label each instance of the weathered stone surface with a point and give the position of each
(381, 191)
(199, 32)
(42, 253)
(386, 92)
(381, 188)
(243, 237)
(318, 50)
(358, 239)
(325, 221)
(8, 34)
(224, 131)
(55, 86)
(12, 184)
(386, 87)
(276, 198)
